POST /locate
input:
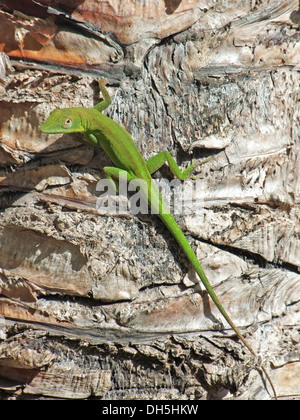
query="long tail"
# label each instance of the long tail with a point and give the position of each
(171, 224)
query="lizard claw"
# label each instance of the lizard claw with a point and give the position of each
(102, 81)
(198, 162)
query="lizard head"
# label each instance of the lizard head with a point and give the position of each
(63, 121)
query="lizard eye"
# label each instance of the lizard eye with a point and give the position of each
(67, 123)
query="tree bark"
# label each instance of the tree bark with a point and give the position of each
(105, 305)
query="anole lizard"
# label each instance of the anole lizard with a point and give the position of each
(100, 130)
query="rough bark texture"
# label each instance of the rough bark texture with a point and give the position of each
(105, 306)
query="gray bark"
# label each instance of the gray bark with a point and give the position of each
(106, 306)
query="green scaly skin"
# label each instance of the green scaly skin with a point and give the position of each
(100, 130)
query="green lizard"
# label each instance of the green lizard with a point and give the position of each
(100, 130)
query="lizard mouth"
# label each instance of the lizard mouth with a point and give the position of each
(46, 129)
